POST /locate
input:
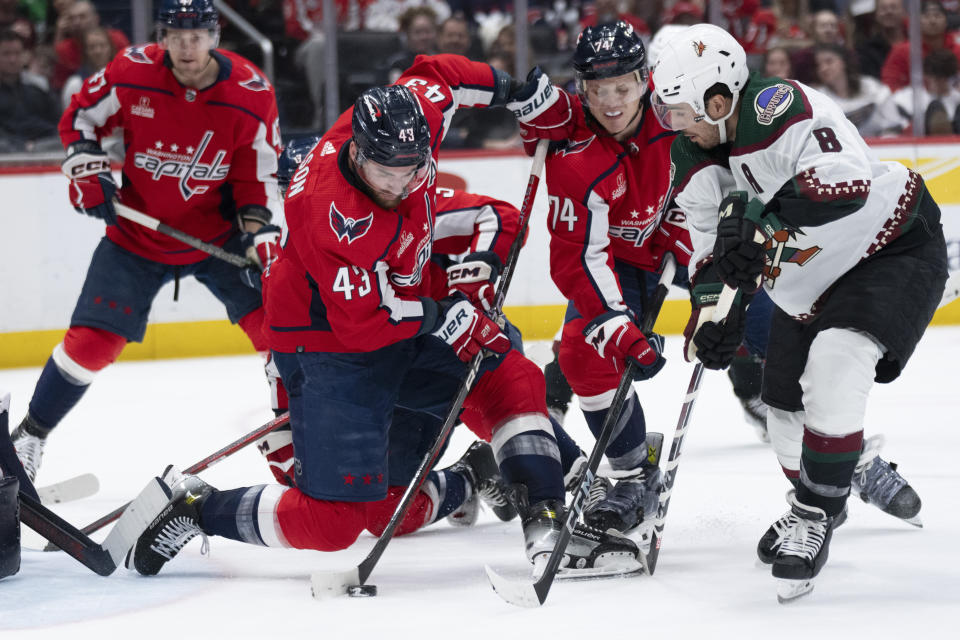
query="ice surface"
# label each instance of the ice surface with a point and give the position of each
(883, 575)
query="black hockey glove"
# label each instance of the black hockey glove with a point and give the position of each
(715, 343)
(737, 254)
(91, 184)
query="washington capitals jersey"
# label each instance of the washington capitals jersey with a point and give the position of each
(795, 151)
(607, 202)
(192, 157)
(354, 277)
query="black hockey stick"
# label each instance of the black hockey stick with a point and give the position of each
(102, 559)
(670, 472)
(325, 584)
(152, 223)
(207, 462)
(524, 593)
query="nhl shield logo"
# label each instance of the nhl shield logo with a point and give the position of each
(772, 102)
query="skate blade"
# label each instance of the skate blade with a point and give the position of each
(915, 521)
(611, 565)
(790, 590)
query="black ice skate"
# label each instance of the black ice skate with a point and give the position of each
(590, 553)
(877, 482)
(177, 524)
(480, 468)
(803, 550)
(769, 543)
(634, 499)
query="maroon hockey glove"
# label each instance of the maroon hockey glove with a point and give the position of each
(475, 278)
(91, 184)
(261, 248)
(616, 338)
(543, 111)
(467, 330)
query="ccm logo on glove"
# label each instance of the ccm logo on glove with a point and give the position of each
(88, 168)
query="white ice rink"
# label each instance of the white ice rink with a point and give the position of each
(884, 578)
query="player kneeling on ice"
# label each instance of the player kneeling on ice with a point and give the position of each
(849, 248)
(371, 335)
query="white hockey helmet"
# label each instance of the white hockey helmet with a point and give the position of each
(689, 64)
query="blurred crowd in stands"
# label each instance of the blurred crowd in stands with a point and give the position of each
(856, 51)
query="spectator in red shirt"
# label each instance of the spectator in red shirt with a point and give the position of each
(933, 30)
(603, 11)
(683, 13)
(81, 15)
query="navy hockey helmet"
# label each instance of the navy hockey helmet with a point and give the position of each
(389, 127)
(291, 157)
(187, 14)
(607, 51)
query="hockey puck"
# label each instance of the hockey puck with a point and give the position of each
(362, 590)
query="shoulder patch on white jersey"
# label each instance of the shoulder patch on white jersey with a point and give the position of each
(772, 102)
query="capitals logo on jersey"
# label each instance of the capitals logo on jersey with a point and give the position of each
(256, 82)
(137, 54)
(349, 228)
(184, 166)
(773, 101)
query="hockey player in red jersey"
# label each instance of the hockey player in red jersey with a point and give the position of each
(365, 324)
(200, 138)
(609, 231)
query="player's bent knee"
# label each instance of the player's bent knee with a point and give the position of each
(837, 379)
(786, 437)
(89, 348)
(323, 525)
(515, 387)
(377, 514)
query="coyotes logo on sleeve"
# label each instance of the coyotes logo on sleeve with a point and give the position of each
(778, 252)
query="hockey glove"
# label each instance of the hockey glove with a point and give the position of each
(466, 329)
(714, 343)
(738, 255)
(543, 110)
(616, 338)
(475, 278)
(91, 184)
(261, 248)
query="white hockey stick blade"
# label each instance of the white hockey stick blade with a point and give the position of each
(330, 584)
(951, 290)
(77, 488)
(136, 518)
(790, 590)
(519, 593)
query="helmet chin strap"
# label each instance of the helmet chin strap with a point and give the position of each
(722, 128)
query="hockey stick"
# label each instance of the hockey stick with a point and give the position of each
(526, 594)
(670, 472)
(102, 559)
(68, 490)
(207, 462)
(152, 223)
(951, 290)
(325, 584)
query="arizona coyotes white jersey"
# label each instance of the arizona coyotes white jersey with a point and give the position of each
(797, 153)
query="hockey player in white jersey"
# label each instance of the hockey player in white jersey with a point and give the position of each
(849, 248)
